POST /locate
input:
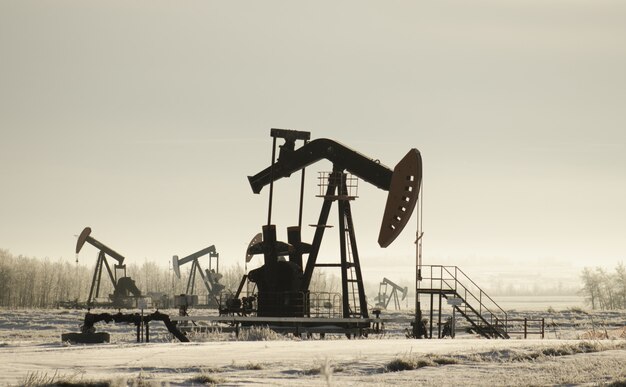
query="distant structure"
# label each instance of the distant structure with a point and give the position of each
(383, 299)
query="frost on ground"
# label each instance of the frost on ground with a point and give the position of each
(31, 354)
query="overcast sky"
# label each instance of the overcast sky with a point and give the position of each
(143, 119)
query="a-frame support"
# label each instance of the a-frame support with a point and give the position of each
(191, 282)
(97, 277)
(349, 260)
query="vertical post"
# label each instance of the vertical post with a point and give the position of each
(506, 323)
(342, 248)
(418, 278)
(525, 327)
(543, 325)
(456, 277)
(453, 324)
(147, 331)
(269, 210)
(431, 314)
(439, 319)
(301, 194)
(171, 273)
(295, 238)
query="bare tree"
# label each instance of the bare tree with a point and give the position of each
(590, 287)
(620, 285)
(605, 290)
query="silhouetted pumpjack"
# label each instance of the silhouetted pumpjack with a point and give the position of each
(123, 286)
(210, 277)
(384, 299)
(283, 285)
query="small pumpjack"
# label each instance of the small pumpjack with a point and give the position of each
(210, 277)
(125, 292)
(384, 299)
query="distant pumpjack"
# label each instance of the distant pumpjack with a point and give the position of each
(210, 277)
(384, 298)
(123, 286)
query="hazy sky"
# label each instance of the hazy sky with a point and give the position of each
(142, 120)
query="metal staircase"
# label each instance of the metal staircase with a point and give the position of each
(484, 315)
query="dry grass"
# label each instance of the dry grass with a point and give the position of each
(259, 334)
(206, 380)
(444, 360)
(409, 362)
(604, 334)
(325, 369)
(250, 366)
(42, 379)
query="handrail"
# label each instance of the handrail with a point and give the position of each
(454, 273)
(476, 298)
(490, 299)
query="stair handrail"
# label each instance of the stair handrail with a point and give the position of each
(467, 291)
(481, 293)
(479, 288)
(483, 309)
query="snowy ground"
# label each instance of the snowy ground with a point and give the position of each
(31, 352)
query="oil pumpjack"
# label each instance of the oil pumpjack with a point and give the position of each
(210, 277)
(125, 292)
(385, 298)
(283, 285)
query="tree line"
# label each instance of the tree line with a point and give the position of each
(27, 282)
(604, 290)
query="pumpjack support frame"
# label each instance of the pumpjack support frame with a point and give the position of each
(403, 184)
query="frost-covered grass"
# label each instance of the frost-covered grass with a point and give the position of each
(205, 380)
(46, 326)
(407, 363)
(262, 357)
(43, 379)
(259, 334)
(412, 361)
(335, 362)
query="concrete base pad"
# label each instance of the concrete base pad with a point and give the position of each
(86, 338)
